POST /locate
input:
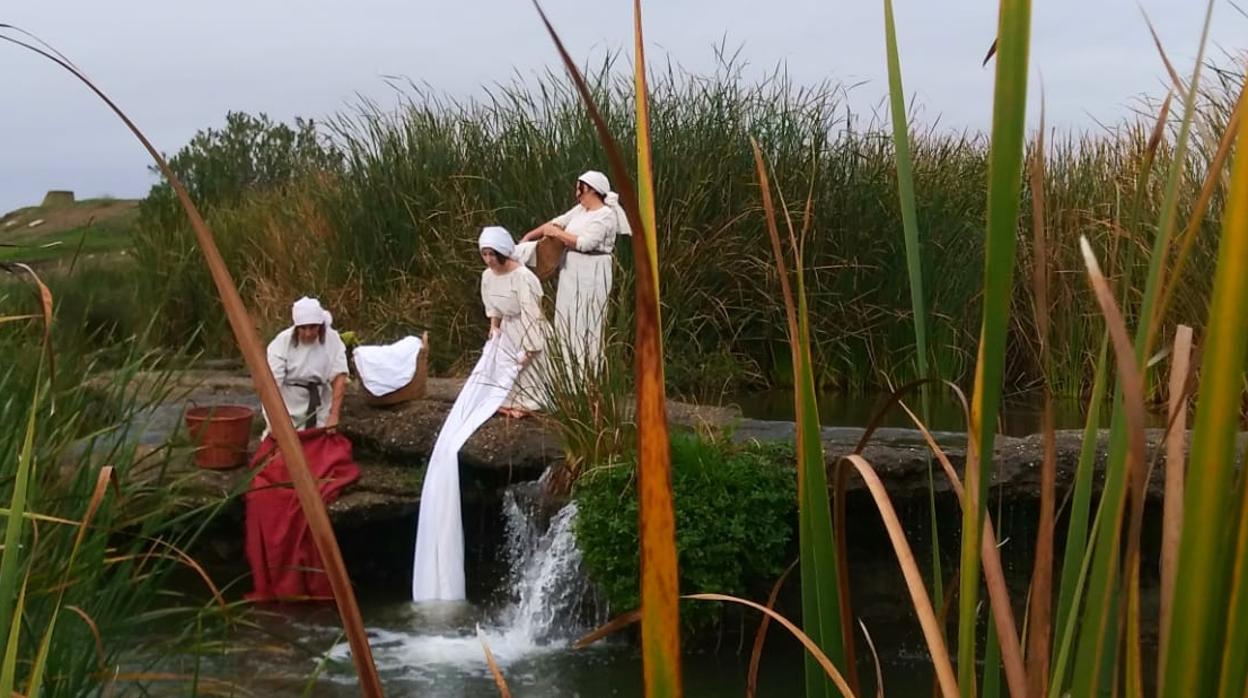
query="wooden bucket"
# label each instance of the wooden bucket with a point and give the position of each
(415, 388)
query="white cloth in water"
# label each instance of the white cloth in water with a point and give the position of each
(384, 369)
(315, 366)
(438, 569)
(585, 278)
(515, 298)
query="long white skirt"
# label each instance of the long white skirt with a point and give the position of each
(581, 308)
(438, 570)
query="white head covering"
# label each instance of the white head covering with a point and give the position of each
(308, 311)
(498, 239)
(598, 182)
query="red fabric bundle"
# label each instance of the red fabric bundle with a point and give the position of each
(284, 563)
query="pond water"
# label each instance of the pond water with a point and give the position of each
(1021, 413)
(537, 604)
(528, 600)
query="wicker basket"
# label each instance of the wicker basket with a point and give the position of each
(549, 254)
(415, 388)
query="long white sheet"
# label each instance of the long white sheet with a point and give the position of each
(386, 368)
(438, 570)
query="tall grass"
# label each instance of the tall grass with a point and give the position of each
(249, 345)
(402, 202)
(93, 527)
(660, 618)
(379, 222)
(1209, 631)
(823, 581)
(1004, 184)
(914, 259)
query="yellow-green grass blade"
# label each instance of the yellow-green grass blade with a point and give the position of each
(1234, 678)
(992, 664)
(1081, 501)
(15, 548)
(660, 620)
(645, 163)
(914, 263)
(820, 581)
(1213, 177)
(1068, 622)
(102, 482)
(1200, 610)
(8, 669)
(1005, 172)
(1095, 640)
(1170, 202)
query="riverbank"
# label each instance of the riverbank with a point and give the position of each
(393, 445)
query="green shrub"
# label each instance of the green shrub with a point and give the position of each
(734, 512)
(222, 169)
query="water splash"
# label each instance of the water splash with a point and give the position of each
(544, 602)
(549, 594)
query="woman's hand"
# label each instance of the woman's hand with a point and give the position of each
(539, 232)
(553, 231)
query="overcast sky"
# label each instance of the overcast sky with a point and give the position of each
(180, 66)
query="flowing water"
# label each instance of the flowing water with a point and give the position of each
(528, 599)
(542, 604)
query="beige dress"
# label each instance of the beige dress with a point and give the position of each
(515, 299)
(585, 279)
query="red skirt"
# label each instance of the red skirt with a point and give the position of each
(285, 565)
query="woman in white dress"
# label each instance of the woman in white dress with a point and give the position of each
(309, 362)
(587, 232)
(512, 296)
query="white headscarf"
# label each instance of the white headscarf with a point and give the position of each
(308, 311)
(498, 239)
(598, 182)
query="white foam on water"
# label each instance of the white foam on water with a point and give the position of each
(545, 589)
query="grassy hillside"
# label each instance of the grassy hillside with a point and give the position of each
(86, 228)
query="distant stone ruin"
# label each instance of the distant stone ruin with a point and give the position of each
(58, 198)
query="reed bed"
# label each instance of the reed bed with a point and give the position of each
(376, 210)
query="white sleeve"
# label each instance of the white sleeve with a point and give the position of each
(337, 354)
(562, 220)
(277, 359)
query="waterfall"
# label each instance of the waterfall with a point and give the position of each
(547, 590)
(543, 604)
